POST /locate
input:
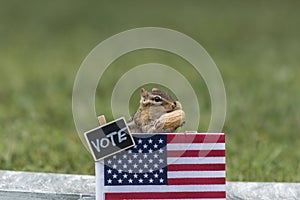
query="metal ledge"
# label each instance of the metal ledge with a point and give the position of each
(45, 186)
(36, 186)
(262, 190)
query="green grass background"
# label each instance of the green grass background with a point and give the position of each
(255, 44)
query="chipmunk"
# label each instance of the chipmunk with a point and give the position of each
(157, 113)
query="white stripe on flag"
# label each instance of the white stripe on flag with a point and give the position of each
(196, 146)
(164, 188)
(196, 160)
(197, 174)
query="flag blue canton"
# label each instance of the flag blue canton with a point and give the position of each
(143, 164)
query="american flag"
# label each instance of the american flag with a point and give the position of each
(165, 166)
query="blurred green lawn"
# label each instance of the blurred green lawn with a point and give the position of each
(255, 45)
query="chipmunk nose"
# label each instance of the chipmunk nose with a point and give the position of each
(177, 105)
(174, 105)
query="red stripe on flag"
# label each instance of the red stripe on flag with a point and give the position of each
(195, 138)
(196, 153)
(164, 195)
(196, 167)
(196, 181)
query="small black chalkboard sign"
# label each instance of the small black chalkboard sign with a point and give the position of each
(109, 139)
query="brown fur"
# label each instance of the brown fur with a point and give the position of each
(164, 115)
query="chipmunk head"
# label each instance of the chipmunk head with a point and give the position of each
(157, 112)
(157, 98)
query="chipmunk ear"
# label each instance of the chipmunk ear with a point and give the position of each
(144, 93)
(155, 90)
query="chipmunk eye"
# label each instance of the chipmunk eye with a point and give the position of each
(157, 99)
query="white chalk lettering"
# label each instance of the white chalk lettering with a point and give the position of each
(97, 147)
(103, 140)
(111, 135)
(122, 135)
(110, 139)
